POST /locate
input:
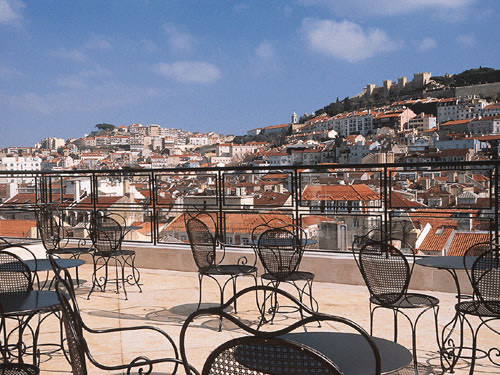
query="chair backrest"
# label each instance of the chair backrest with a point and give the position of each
(203, 243)
(4, 243)
(106, 233)
(280, 252)
(385, 270)
(49, 229)
(15, 275)
(286, 357)
(260, 355)
(73, 324)
(485, 279)
(478, 249)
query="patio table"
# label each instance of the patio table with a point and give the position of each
(450, 264)
(351, 352)
(26, 305)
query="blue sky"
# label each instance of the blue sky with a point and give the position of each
(221, 65)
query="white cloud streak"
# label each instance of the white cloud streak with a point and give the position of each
(10, 12)
(265, 50)
(83, 79)
(189, 71)
(7, 73)
(69, 54)
(177, 39)
(345, 40)
(427, 44)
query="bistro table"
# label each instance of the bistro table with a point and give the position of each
(352, 353)
(26, 305)
(450, 264)
(44, 265)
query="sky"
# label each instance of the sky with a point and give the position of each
(218, 65)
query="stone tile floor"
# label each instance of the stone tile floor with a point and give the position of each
(168, 297)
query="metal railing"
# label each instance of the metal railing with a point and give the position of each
(334, 203)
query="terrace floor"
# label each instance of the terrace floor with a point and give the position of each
(168, 297)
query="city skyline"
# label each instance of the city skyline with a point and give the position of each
(226, 68)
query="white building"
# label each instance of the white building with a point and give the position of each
(422, 122)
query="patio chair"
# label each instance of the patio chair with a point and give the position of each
(387, 274)
(484, 276)
(280, 247)
(75, 329)
(269, 352)
(204, 248)
(107, 236)
(50, 226)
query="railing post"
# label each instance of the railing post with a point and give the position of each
(220, 191)
(154, 216)
(495, 190)
(386, 203)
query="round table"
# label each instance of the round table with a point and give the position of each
(352, 353)
(44, 264)
(451, 264)
(26, 305)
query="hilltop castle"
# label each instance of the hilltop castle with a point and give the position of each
(417, 84)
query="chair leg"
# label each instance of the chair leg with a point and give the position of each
(122, 264)
(234, 293)
(200, 285)
(395, 312)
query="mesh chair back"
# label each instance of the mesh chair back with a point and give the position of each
(15, 276)
(202, 243)
(73, 324)
(478, 249)
(106, 233)
(485, 278)
(50, 232)
(280, 252)
(385, 271)
(258, 355)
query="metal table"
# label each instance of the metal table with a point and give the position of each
(44, 265)
(24, 306)
(446, 344)
(351, 352)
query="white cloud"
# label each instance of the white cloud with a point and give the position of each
(345, 40)
(265, 50)
(7, 73)
(99, 43)
(389, 7)
(427, 44)
(177, 39)
(467, 40)
(10, 12)
(189, 71)
(82, 79)
(72, 54)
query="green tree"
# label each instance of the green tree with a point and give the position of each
(105, 126)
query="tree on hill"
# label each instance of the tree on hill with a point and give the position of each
(104, 126)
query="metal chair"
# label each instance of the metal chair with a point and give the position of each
(204, 248)
(387, 274)
(484, 276)
(75, 330)
(280, 249)
(107, 236)
(265, 352)
(50, 226)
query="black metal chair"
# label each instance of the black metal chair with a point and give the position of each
(484, 276)
(387, 274)
(204, 246)
(266, 352)
(50, 226)
(75, 330)
(107, 235)
(280, 247)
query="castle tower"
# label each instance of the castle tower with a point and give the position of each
(295, 119)
(401, 82)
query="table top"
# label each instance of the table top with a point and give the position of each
(447, 262)
(24, 303)
(44, 264)
(352, 353)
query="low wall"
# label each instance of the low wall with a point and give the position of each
(331, 268)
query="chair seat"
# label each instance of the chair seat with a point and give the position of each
(69, 251)
(115, 253)
(407, 301)
(490, 309)
(18, 369)
(294, 276)
(229, 269)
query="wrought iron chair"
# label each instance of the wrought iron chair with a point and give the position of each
(50, 226)
(280, 248)
(387, 274)
(75, 329)
(204, 248)
(107, 235)
(266, 352)
(484, 276)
